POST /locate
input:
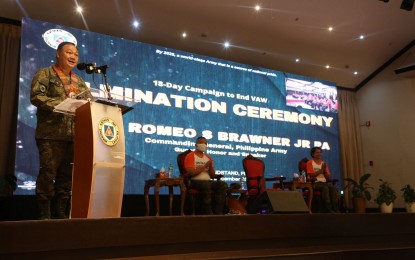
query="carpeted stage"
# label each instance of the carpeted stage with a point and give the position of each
(299, 236)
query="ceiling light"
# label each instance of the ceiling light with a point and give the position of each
(79, 9)
(361, 37)
(136, 24)
(184, 35)
(257, 8)
(407, 5)
(327, 66)
(226, 44)
(355, 73)
(330, 28)
(297, 60)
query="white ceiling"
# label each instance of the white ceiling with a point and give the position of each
(274, 37)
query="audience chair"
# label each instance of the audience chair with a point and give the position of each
(255, 179)
(191, 192)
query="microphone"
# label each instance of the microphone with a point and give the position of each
(88, 67)
(101, 69)
(92, 68)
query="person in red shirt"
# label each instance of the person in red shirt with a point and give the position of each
(201, 169)
(318, 171)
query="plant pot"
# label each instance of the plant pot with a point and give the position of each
(410, 207)
(386, 208)
(359, 205)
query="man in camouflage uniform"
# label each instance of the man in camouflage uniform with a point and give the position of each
(201, 169)
(55, 131)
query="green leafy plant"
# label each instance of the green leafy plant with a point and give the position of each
(408, 193)
(360, 189)
(385, 193)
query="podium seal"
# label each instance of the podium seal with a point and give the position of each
(108, 131)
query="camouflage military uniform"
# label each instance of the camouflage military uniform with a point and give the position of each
(54, 137)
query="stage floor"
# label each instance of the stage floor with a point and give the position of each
(317, 236)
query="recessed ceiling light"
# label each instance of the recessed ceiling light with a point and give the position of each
(226, 44)
(257, 8)
(136, 24)
(330, 29)
(184, 35)
(355, 73)
(297, 60)
(361, 37)
(327, 66)
(79, 9)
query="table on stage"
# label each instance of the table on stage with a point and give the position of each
(293, 185)
(170, 183)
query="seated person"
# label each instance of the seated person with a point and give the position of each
(318, 171)
(201, 169)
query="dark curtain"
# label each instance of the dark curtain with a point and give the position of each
(10, 35)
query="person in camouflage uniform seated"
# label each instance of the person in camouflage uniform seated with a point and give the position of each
(55, 131)
(201, 169)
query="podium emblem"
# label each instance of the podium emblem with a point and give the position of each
(108, 131)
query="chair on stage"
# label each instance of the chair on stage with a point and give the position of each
(317, 196)
(255, 179)
(192, 193)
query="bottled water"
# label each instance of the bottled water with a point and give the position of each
(170, 171)
(242, 183)
(303, 176)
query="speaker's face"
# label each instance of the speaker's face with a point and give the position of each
(67, 57)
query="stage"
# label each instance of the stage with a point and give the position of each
(300, 236)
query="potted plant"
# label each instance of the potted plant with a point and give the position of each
(360, 192)
(385, 197)
(409, 197)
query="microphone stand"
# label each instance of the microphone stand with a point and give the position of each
(103, 71)
(107, 86)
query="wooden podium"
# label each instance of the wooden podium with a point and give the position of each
(99, 162)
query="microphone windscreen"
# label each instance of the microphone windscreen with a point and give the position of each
(81, 66)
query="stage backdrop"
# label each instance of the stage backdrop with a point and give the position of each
(178, 96)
